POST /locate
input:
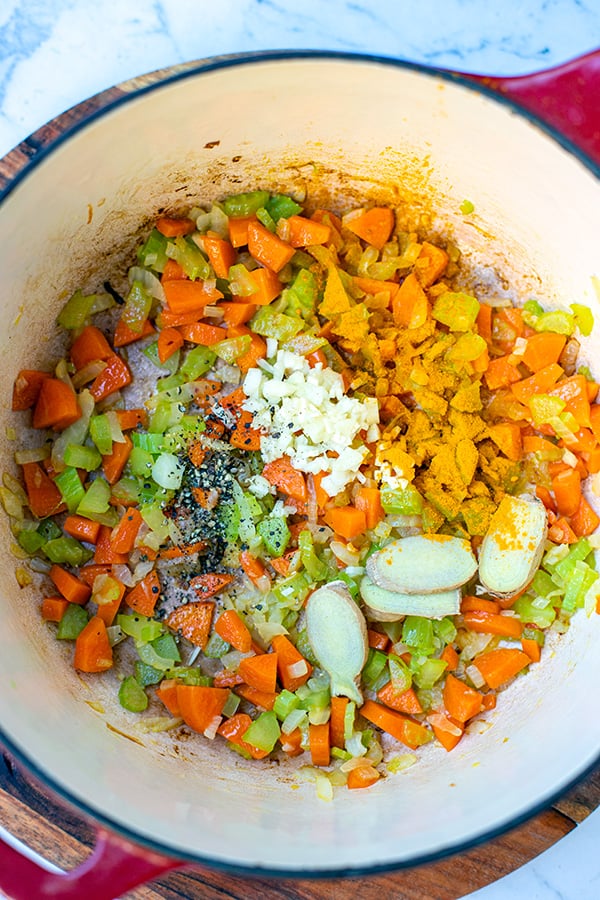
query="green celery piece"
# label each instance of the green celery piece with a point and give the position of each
(349, 719)
(166, 415)
(577, 553)
(417, 632)
(216, 647)
(271, 324)
(301, 295)
(151, 443)
(456, 310)
(170, 365)
(374, 667)
(48, 530)
(241, 282)
(402, 501)
(556, 320)
(246, 526)
(170, 382)
(197, 362)
(400, 674)
(126, 491)
(229, 518)
(315, 567)
(96, 499)
(147, 675)
(166, 647)
(153, 253)
(231, 349)
(72, 623)
(350, 583)
(315, 699)
(542, 584)
(583, 317)
(532, 310)
(140, 462)
(445, 629)
(189, 256)
(280, 206)
(285, 703)
(264, 732)
(148, 655)
(231, 705)
(239, 205)
(188, 675)
(532, 615)
(303, 646)
(30, 540)
(100, 433)
(580, 581)
(534, 634)
(76, 311)
(67, 550)
(87, 458)
(136, 310)
(140, 628)
(70, 487)
(429, 672)
(393, 630)
(295, 588)
(275, 534)
(132, 695)
(265, 218)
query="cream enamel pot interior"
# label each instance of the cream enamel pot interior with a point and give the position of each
(337, 127)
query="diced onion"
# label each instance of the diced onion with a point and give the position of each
(36, 454)
(123, 574)
(444, 724)
(297, 669)
(211, 731)
(357, 762)
(149, 280)
(475, 675)
(116, 432)
(341, 552)
(167, 471)
(88, 373)
(324, 786)
(213, 312)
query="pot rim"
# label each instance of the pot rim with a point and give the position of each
(21, 755)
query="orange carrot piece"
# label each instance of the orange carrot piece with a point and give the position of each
(562, 533)
(268, 286)
(584, 521)
(234, 729)
(169, 342)
(253, 567)
(431, 263)
(193, 621)
(257, 350)
(189, 296)
(404, 701)
(489, 702)
(221, 255)
(43, 496)
(89, 346)
(56, 406)
(532, 649)
(114, 463)
(234, 630)
(470, 603)
(292, 668)
(243, 435)
(54, 608)
(227, 678)
(501, 373)
(167, 694)
(402, 728)
(337, 722)
(260, 672)
(105, 554)
(374, 226)
(368, 500)
(292, 743)
(200, 333)
(281, 564)
(108, 610)
(26, 388)
(329, 218)
(142, 598)
(268, 249)
(543, 494)
(574, 392)
(81, 528)
(447, 732)
(348, 521)
(566, 487)
(172, 227)
(409, 303)
(124, 534)
(543, 349)
(508, 438)
(172, 272)
(131, 418)
(362, 777)
(200, 706)
(539, 383)
(286, 478)
(484, 322)
(238, 230)
(177, 552)
(490, 623)
(375, 286)
(461, 701)
(532, 443)
(499, 666)
(89, 573)
(263, 699)
(237, 313)
(321, 493)
(316, 357)
(210, 583)
(450, 657)
(114, 376)
(305, 232)
(318, 737)
(125, 335)
(93, 652)
(377, 640)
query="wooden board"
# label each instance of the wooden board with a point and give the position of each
(64, 838)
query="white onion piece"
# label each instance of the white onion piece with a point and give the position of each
(116, 432)
(341, 552)
(88, 373)
(149, 280)
(123, 574)
(36, 454)
(211, 731)
(475, 675)
(167, 471)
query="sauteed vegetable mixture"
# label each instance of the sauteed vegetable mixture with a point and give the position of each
(301, 492)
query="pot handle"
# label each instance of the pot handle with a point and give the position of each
(114, 867)
(566, 97)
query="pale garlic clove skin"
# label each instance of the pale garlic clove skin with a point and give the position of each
(513, 546)
(337, 633)
(395, 605)
(423, 564)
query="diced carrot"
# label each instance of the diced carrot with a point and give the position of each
(189, 296)
(89, 573)
(507, 326)
(125, 335)
(374, 226)
(290, 663)
(447, 731)
(26, 388)
(210, 583)
(281, 564)
(234, 729)
(592, 460)
(573, 391)
(491, 623)
(362, 777)
(252, 566)
(532, 649)
(318, 737)
(348, 521)
(566, 486)
(93, 652)
(584, 521)
(321, 493)
(237, 313)
(81, 528)
(292, 743)
(585, 441)
(539, 383)
(461, 701)
(179, 551)
(316, 357)
(377, 640)
(403, 701)
(268, 286)
(488, 702)
(131, 418)
(234, 630)
(105, 554)
(167, 694)
(114, 376)
(143, 597)
(410, 304)
(124, 534)
(171, 227)
(263, 699)
(499, 666)
(471, 603)
(532, 443)
(168, 319)
(172, 272)
(221, 255)
(402, 728)
(200, 706)
(560, 532)
(89, 346)
(201, 333)
(328, 218)
(227, 678)
(450, 657)
(108, 609)
(56, 406)
(507, 437)
(238, 230)
(43, 496)
(484, 322)
(501, 372)
(368, 500)
(257, 350)
(375, 286)
(260, 672)
(193, 621)
(305, 232)
(543, 349)
(114, 463)
(286, 478)
(169, 342)
(54, 608)
(337, 722)
(543, 494)
(267, 248)
(431, 263)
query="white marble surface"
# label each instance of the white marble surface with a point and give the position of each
(54, 53)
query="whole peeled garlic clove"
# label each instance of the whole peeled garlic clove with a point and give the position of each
(513, 546)
(388, 606)
(423, 564)
(337, 633)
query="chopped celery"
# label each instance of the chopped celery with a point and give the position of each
(275, 534)
(153, 253)
(577, 553)
(456, 310)
(374, 668)
(170, 382)
(533, 615)
(264, 732)
(87, 458)
(285, 703)
(556, 320)
(146, 675)
(351, 583)
(241, 282)
(293, 590)
(542, 584)
(70, 487)
(579, 582)
(240, 205)
(246, 527)
(545, 408)
(534, 634)
(126, 491)
(402, 501)
(197, 362)
(312, 700)
(188, 675)
(303, 646)
(140, 462)
(275, 325)
(148, 655)
(67, 550)
(532, 310)
(349, 717)
(229, 518)
(417, 632)
(340, 754)
(136, 310)
(132, 696)
(216, 647)
(583, 317)
(231, 705)
(72, 623)
(315, 567)
(30, 540)
(140, 628)
(166, 647)
(189, 256)
(232, 348)
(48, 530)
(393, 630)
(151, 443)
(166, 415)
(280, 206)
(76, 311)
(265, 218)
(445, 629)
(429, 672)
(400, 674)
(100, 432)
(96, 499)
(301, 295)
(170, 365)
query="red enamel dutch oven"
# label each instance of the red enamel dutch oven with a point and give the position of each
(526, 152)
